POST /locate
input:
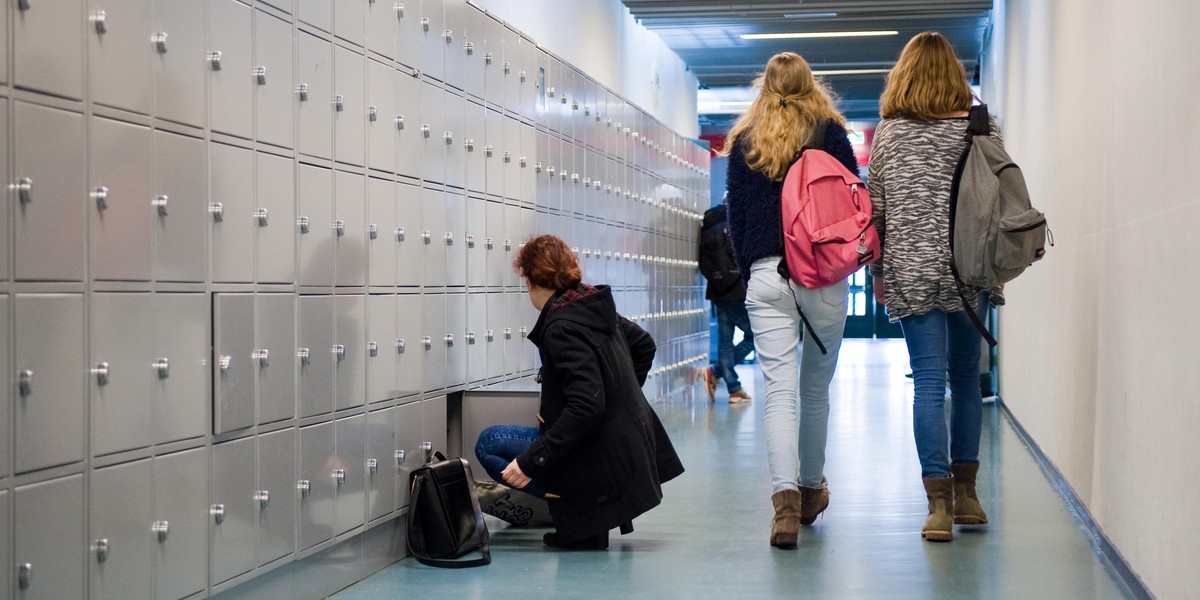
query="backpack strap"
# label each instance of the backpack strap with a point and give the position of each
(978, 124)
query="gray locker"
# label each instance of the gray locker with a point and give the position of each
(318, 13)
(434, 340)
(4, 274)
(511, 65)
(513, 234)
(274, 86)
(408, 123)
(48, 45)
(180, 512)
(435, 133)
(433, 421)
(287, 6)
(475, 146)
(496, 157)
(350, 363)
(315, 96)
(318, 478)
(5, 535)
(179, 77)
(455, 238)
(529, 175)
(477, 48)
(316, 230)
(350, 479)
(122, 216)
(381, 116)
(121, 503)
(349, 21)
(514, 342)
(233, 356)
(474, 241)
(48, 539)
(383, 24)
(350, 227)
(120, 380)
(275, 343)
(277, 509)
(409, 345)
(383, 468)
(180, 208)
(411, 247)
(48, 424)
(494, 333)
(476, 342)
(275, 219)
(454, 16)
(410, 452)
(382, 356)
(231, 213)
(229, 59)
(545, 169)
(495, 266)
(532, 78)
(49, 223)
(350, 106)
(382, 235)
(3, 78)
(232, 516)
(434, 40)
(457, 345)
(317, 355)
(511, 156)
(456, 137)
(432, 237)
(409, 44)
(5, 402)
(120, 63)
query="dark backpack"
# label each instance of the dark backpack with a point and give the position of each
(716, 256)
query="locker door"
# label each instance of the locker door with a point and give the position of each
(120, 380)
(495, 265)
(277, 508)
(275, 320)
(121, 542)
(349, 21)
(527, 161)
(122, 217)
(496, 157)
(3, 78)
(382, 244)
(514, 342)
(275, 219)
(544, 169)
(232, 521)
(48, 424)
(508, 57)
(411, 353)
(455, 242)
(409, 41)
(179, 77)
(383, 26)
(350, 481)
(410, 246)
(475, 47)
(318, 478)
(382, 358)
(232, 214)
(274, 84)
(454, 15)
(383, 472)
(433, 340)
(49, 224)
(350, 226)
(494, 334)
(456, 137)
(317, 355)
(350, 105)
(6, 524)
(434, 132)
(381, 114)
(318, 13)
(4, 273)
(432, 237)
(314, 93)
(120, 63)
(316, 227)
(510, 158)
(457, 345)
(48, 39)
(5, 401)
(409, 452)
(407, 124)
(180, 507)
(233, 373)
(476, 341)
(181, 209)
(476, 234)
(433, 421)
(47, 538)
(351, 366)
(512, 235)
(475, 142)
(433, 43)
(229, 59)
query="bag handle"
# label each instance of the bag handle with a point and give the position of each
(414, 524)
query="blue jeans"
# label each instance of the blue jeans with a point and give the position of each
(730, 314)
(498, 445)
(941, 343)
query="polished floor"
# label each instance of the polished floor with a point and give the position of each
(708, 539)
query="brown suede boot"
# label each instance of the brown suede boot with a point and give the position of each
(786, 523)
(940, 492)
(967, 510)
(813, 501)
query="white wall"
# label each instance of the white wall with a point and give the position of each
(604, 41)
(1098, 344)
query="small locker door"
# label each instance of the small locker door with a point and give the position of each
(409, 42)
(180, 512)
(382, 239)
(493, 245)
(407, 234)
(511, 158)
(48, 537)
(529, 176)
(6, 530)
(411, 453)
(179, 77)
(350, 474)
(350, 105)
(275, 343)
(476, 341)
(454, 15)
(276, 496)
(121, 379)
(474, 241)
(410, 371)
(122, 541)
(229, 58)
(4, 230)
(231, 211)
(317, 354)
(383, 471)
(509, 57)
(435, 132)
(314, 94)
(457, 342)
(382, 358)
(275, 219)
(316, 228)
(512, 235)
(407, 124)
(496, 157)
(49, 219)
(474, 126)
(349, 21)
(318, 479)
(494, 333)
(350, 228)
(383, 26)
(455, 138)
(432, 237)
(433, 340)
(381, 115)
(120, 65)
(477, 48)
(351, 350)
(232, 514)
(317, 13)
(48, 417)
(5, 399)
(274, 84)
(120, 198)
(233, 352)
(433, 34)
(455, 238)
(433, 421)
(179, 202)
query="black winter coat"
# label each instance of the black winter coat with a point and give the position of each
(603, 453)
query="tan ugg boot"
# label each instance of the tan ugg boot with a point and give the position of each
(813, 501)
(940, 492)
(967, 510)
(786, 522)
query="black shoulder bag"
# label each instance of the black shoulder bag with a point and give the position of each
(444, 519)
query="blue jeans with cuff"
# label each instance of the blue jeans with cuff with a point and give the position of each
(498, 445)
(731, 314)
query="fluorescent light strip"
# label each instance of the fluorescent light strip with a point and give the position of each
(815, 34)
(849, 72)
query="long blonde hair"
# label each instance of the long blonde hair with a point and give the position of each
(927, 82)
(790, 104)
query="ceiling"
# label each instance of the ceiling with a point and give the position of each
(705, 34)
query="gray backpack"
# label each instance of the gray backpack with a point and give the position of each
(995, 233)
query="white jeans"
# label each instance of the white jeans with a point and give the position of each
(795, 446)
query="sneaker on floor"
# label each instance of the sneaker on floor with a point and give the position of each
(512, 506)
(739, 396)
(710, 384)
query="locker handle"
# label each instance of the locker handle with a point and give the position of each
(100, 196)
(574, 104)
(372, 349)
(508, 333)
(302, 91)
(160, 42)
(488, 150)
(449, 339)
(470, 241)
(425, 24)
(214, 60)
(507, 156)
(550, 91)
(574, 177)
(260, 215)
(101, 373)
(507, 67)
(562, 174)
(260, 75)
(448, 35)
(596, 185)
(224, 363)
(373, 231)
(489, 335)
(399, 8)
(522, 330)
(160, 203)
(339, 352)
(217, 210)
(449, 137)
(587, 252)
(564, 99)
(339, 103)
(372, 466)
(25, 379)
(24, 188)
(427, 448)
(339, 227)
(508, 245)
(425, 131)
(399, 458)
(487, 58)
(372, 114)
(550, 170)
(427, 342)
(524, 162)
(587, 182)
(574, 249)
(427, 236)
(537, 166)
(400, 346)
(400, 235)
(489, 243)
(264, 499)
(218, 513)
(302, 354)
(449, 238)
(97, 18)
(262, 355)
(302, 223)
(587, 111)
(25, 571)
(469, 144)
(470, 338)
(522, 74)
(101, 549)
(163, 366)
(400, 122)
(305, 487)
(339, 475)
(162, 528)
(469, 48)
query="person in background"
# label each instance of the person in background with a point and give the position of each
(600, 454)
(727, 291)
(789, 109)
(917, 145)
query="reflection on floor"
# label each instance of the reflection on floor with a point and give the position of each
(709, 537)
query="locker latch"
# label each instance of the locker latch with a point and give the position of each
(302, 91)
(100, 196)
(214, 59)
(399, 8)
(339, 103)
(262, 355)
(264, 499)
(217, 210)
(97, 19)
(162, 528)
(372, 466)
(305, 487)
(24, 188)
(160, 42)
(160, 204)
(449, 339)
(400, 122)
(449, 238)
(427, 448)
(339, 352)
(487, 58)
(470, 338)
(25, 382)
(260, 75)
(373, 231)
(339, 227)
(372, 349)
(427, 342)
(101, 549)
(339, 476)
(489, 335)
(372, 114)
(218, 513)
(101, 373)
(25, 571)
(400, 345)
(302, 354)
(400, 234)
(469, 47)
(399, 458)
(224, 363)
(163, 366)
(470, 241)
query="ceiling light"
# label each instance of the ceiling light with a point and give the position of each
(829, 72)
(815, 34)
(812, 15)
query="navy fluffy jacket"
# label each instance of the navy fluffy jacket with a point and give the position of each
(755, 222)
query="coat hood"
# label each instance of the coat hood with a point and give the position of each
(595, 314)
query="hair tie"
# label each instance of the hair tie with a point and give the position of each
(783, 101)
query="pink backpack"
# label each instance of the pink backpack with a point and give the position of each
(827, 227)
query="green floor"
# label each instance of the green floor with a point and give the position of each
(708, 539)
